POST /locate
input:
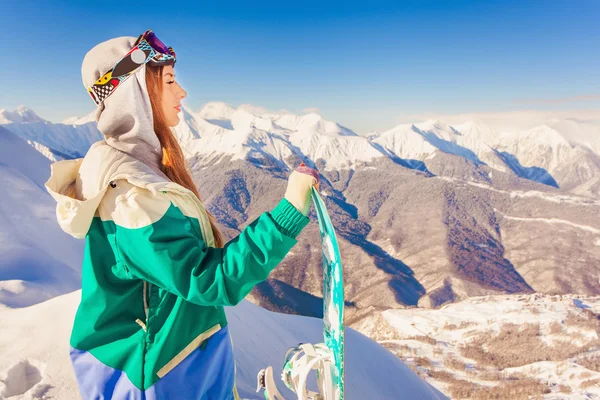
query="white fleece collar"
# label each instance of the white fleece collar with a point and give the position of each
(79, 185)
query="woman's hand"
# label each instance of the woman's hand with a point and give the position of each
(300, 184)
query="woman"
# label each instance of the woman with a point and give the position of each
(156, 274)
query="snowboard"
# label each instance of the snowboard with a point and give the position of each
(333, 294)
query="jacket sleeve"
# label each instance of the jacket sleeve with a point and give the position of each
(158, 243)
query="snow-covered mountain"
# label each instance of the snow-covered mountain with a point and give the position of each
(427, 212)
(37, 259)
(541, 154)
(34, 353)
(216, 111)
(561, 153)
(499, 347)
(21, 115)
(547, 153)
(91, 117)
(218, 130)
(55, 141)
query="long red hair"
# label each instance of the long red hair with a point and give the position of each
(174, 164)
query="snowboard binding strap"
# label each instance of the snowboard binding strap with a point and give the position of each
(299, 361)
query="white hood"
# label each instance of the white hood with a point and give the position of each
(125, 117)
(79, 185)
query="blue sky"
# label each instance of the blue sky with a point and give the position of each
(363, 65)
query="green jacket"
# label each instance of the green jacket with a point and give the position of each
(153, 284)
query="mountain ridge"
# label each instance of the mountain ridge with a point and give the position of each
(426, 213)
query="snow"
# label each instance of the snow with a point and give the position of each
(91, 117)
(336, 150)
(578, 127)
(404, 142)
(219, 130)
(32, 267)
(555, 198)
(552, 221)
(577, 132)
(44, 150)
(34, 353)
(540, 146)
(556, 373)
(39, 264)
(419, 141)
(476, 130)
(487, 311)
(453, 325)
(439, 129)
(534, 153)
(59, 141)
(19, 116)
(216, 110)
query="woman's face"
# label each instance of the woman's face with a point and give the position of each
(172, 94)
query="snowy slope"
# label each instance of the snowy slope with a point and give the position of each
(418, 141)
(541, 146)
(576, 132)
(21, 115)
(63, 141)
(216, 110)
(561, 153)
(37, 259)
(45, 151)
(564, 334)
(34, 352)
(338, 147)
(240, 137)
(476, 136)
(219, 130)
(405, 142)
(91, 117)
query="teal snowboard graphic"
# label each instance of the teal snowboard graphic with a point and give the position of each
(333, 294)
(301, 359)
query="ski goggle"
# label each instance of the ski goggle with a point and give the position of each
(147, 49)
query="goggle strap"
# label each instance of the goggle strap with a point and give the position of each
(100, 91)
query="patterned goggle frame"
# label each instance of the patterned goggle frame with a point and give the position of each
(148, 48)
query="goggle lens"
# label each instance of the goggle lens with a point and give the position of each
(156, 43)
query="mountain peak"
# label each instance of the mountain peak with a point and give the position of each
(471, 125)
(21, 115)
(311, 121)
(439, 129)
(216, 110)
(474, 129)
(546, 134)
(258, 111)
(313, 116)
(435, 125)
(91, 117)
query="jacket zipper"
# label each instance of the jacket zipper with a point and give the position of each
(147, 285)
(145, 300)
(146, 290)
